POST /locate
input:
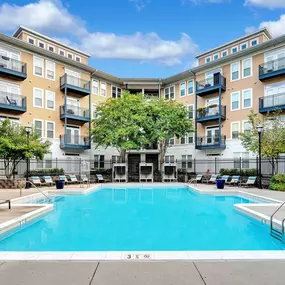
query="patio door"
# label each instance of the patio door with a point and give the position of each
(275, 60)
(72, 135)
(73, 106)
(7, 90)
(73, 78)
(209, 76)
(9, 59)
(212, 135)
(274, 95)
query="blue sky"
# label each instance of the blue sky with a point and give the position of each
(143, 38)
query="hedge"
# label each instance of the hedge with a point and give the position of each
(277, 182)
(236, 171)
(47, 171)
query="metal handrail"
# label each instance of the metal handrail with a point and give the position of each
(38, 189)
(271, 218)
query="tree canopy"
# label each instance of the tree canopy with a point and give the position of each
(15, 147)
(136, 122)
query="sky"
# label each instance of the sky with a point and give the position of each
(143, 38)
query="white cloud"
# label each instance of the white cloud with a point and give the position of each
(271, 4)
(140, 4)
(52, 18)
(205, 1)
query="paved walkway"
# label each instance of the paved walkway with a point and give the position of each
(142, 273)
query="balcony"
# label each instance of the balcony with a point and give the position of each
(74, 114)
(210, 113)
(211, 142)
(12, 68)
(12, 103)
(272, 69)
(211, 85)
(74, 85)
(272, 103)
(74, 142)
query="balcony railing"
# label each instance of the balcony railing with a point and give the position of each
(74, 113)
(13, 68)
(211, 142)
(272, 69)
(211, 113)
(75, 84)
(13, 102)
(211, 84)
(272, 102)
(74, 142)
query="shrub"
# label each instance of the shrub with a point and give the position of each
(47, 171)
(101, 171)
(236, 171)
(277, 182)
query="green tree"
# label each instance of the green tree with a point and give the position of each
(15, 147)
(272, 138)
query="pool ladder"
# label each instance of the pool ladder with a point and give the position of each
(274, 232)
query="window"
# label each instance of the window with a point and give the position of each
(50, 70)
(241, 160)
(247, 67)
(190, 111)
(51, 48)
(31, 41)
(235, 70)
(70, 56)
(190, 87)
(38, 66)
(169, 159)
(77, 58)
(116, 159)
(99, 161)
(103, 89)
(183, 140)
(38, 95)
(235, 99)
(254, 42)
(172, 92)
(246, 127)
(94, 110)
(38, 125)
(235, 130)
(95, 85)
(216, 56)
(50, 130)
(41, 44)
(243, 46)
(247, 98)
(116, 92)
(169, 93)
(224, 53)
(61, 52)
(208, 59)
(182, 89)
(50, 100)
(191, 138)
(186, 161)
(170, 142)
(234, 49)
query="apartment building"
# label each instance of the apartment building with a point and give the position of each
(50, 86)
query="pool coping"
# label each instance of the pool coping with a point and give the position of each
(222, 255)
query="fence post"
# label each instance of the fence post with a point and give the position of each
(56, 162)
(215, 165)
(240, 166)
(194, 165)
(79, 166)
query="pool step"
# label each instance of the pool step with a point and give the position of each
(277, 234)
(274, 232)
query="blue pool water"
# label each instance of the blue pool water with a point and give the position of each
(146, 219)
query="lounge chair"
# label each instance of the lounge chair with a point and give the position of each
(199, 177)
(235, 180)
(213, 179)
(73, 179)
(48, 180)
(63, 177)
(225, 177)
(6, 201)
(250, 181)
(100, 178)
(37, 181)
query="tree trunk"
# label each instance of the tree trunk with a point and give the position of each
(123, 155)
(163, 149)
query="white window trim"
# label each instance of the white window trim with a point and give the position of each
(223, 52)
(243, 77)
(238, 101)
(72, 56)
(207, 58)
(242, 96)
(98, 85)
(185, 84)
(78, 57)
(193, 87)
(245, 43)
(236, 122)
(40, 42)
(218, 54)
(35, 41)
(103, 82)
(64, 52)
(94, 106)
(193, 110)
(173, 92)
(53, 109)
(237, 62)
(233, 48)
(47, 129)
(47, 69)
(34, 125)
(43, 100)
(243, 122)
(257, 41)
(34, 69)
(52, 47)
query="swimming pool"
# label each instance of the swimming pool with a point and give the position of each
(143, 219)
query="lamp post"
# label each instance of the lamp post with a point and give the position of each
(28, 131)
(259, 130)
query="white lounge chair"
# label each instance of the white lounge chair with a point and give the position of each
(63, 177)
(48, 180)
(225, 177)
(73, 179)
(213, 179)
(100, 178)
(37, 181)
(250, 181)
(235, 180)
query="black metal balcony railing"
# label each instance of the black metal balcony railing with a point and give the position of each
(12, 101)
(211, 111)
(272, 68)
(211, 84)
(74, 141)
(13, 64)
(212, 141)
(74, 111)
(74, 81)
(272, 102)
